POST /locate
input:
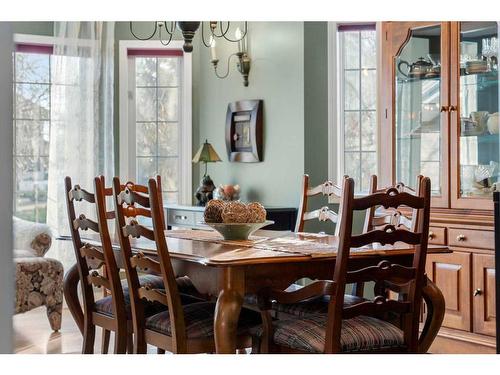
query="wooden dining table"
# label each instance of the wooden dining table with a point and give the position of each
(229, 270)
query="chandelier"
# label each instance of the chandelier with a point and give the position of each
(217, 30)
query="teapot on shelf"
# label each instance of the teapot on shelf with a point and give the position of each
(419, 68)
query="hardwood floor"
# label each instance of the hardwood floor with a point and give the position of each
(32, 335)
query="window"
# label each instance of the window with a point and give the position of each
(157, 120)
(31, 120)
(356, 107)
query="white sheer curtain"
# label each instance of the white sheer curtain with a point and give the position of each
(81, 139)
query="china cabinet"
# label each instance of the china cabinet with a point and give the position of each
(439, 117)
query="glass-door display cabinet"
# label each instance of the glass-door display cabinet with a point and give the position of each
(420, 127)
(439, 117)
(474, 115)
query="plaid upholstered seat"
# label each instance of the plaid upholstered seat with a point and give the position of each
(314, 306)
(362, 333)
(105, 305)
(199, 320)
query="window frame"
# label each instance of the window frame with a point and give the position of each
(127, 126)
(335, 102)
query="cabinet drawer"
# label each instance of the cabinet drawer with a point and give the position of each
(437, 235)
(180, 217)
(471, 238)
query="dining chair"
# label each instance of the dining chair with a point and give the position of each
(328, 189)
(357, 327)
(109, 312)
(180, 327)
(378, 217)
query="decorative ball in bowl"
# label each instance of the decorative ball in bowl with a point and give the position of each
(235, 220)
(238, 231)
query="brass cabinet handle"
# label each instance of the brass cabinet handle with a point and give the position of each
(452, 108)
(444, 108)
(477, 292)
(431, 235)
(461, 237)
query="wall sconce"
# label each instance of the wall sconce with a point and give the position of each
(243, 62)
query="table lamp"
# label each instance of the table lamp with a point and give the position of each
(205, 154)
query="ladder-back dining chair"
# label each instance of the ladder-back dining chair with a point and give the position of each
(328, 189)
(182, 327)
(378, 217)
(109, 312)
(357, 327)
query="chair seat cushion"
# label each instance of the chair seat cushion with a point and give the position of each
(105, 305)
(199, 320)
(362, 333)
(313, 306)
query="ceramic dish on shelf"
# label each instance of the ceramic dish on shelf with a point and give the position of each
(238, 231)
(469, 127)
(476, 66)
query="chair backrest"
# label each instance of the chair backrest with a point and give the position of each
(130, 203)
(384, 272)
(91, 258)
(377, 217)
(328, 188)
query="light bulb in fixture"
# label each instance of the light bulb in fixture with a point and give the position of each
(213, 52)
(238, 35)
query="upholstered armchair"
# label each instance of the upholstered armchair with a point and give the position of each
(39, 280)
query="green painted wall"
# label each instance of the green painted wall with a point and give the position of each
(277, 77)
(35, 28)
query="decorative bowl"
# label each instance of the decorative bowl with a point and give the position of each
(493, 123)
(238, 231)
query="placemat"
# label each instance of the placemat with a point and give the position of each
(291, 244)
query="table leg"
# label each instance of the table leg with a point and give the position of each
(71, 295)
(227, 311)
(435, 314)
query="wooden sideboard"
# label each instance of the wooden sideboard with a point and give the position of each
(192, 217)
(422, 132)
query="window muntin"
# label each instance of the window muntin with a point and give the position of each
(357, 73)
(158, 86)
(31, 120)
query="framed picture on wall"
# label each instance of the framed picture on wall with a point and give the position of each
(244, 131)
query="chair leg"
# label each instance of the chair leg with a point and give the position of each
(54, 314)
(160, 351)
(130, 343)
(123, 342)
(256, 344)
(105, 341)
(88, 338)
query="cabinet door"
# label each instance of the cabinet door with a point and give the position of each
(416, 122)
(484, 294)
(475, 141)
(451, 273)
